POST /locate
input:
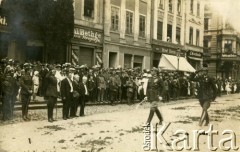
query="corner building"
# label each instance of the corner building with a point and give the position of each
(221, 45)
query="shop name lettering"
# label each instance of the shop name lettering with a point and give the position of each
(88, 35)
(195, 54)
(229, 55)
(181, 142)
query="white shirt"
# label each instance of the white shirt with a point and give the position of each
(86, 91)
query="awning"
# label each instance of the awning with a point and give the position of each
(170, 62)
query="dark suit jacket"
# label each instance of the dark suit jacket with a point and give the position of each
(65, 88)
(79, 87)
(51, 90)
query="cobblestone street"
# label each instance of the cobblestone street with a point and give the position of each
(111, 128)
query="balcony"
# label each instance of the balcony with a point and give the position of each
(227, 32)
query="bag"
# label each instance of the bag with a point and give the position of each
(75, 94)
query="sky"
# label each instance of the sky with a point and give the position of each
(229, 9)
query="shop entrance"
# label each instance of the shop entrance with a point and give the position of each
(34, 53)
(86, 56)
(112, 59)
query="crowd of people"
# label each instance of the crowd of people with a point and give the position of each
(75, 85)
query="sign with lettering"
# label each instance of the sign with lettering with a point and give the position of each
(88, 35)
(229, 55)
(195, 54)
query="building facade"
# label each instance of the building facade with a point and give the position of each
(127, 33)
(178, 30)
(133, 33)
(87, 44)
(221, 45)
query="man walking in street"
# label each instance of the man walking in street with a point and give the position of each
(206, 93)
(153, 96)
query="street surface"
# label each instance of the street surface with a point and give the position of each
(117, 128)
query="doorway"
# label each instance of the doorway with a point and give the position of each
(112, 59)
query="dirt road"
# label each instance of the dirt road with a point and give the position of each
(120, 130)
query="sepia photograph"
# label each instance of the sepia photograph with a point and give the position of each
(119, 75)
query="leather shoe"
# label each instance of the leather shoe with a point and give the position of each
(50, 120)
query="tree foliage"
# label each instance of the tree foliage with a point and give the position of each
(51, 21)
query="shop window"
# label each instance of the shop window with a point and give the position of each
(198, 8)
(191, 6)
(206, 23)
(142, 26)
(178, 35)
(191, 36)
(114, 18)
(161, 4)
(179, 7)
(159, 30)
(88, 8)
(129, 22)
(169, 33)
(170, 6)
(228, 46)
(127, 61)
(138, 61)
(197, 37)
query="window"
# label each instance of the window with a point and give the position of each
(179, 7)
(228, 46)
(205, 43)
(114, 18)
(142, 26)
(161, 4)
(88, 8)
(206, 23)
(191, 6)
(198, 8)
(170, 6)
(169, 33)
(129, 22)
(197, 37)
(191, 36)
(159, 30)
(178, 35)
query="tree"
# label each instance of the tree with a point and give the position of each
(51, 21)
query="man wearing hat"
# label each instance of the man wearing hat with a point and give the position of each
(26, 84)
(9, 85)
(206, 93)
(67, 94)
(154, 96)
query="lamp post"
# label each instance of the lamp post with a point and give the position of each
(178, 57)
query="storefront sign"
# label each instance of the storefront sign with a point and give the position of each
(195, 54)
(88, 35)
(229, 55)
